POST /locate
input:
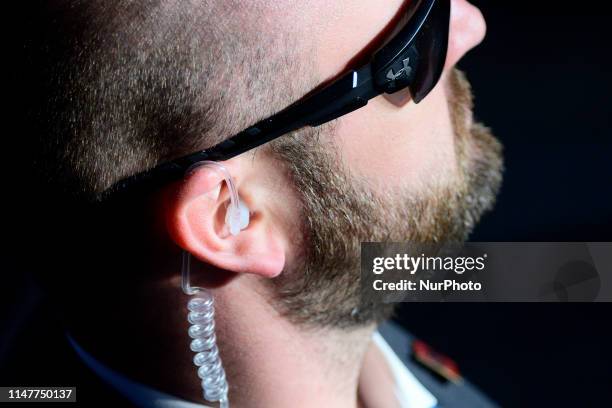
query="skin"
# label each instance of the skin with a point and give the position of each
(270, 361)
(376, 143)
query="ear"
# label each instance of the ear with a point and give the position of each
(195, 218)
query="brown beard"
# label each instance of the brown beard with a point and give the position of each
(338, 213)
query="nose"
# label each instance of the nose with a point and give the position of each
(467, 30)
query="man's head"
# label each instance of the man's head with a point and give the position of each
(135, 84)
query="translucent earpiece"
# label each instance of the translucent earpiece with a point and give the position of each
(237, 219)
(201, 306)
(237, 214)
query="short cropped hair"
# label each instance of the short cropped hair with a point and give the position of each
(121, 86)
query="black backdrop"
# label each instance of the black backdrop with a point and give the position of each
(542, 81)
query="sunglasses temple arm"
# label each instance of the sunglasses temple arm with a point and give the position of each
(350, 92)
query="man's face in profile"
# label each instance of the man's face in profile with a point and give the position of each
(136, 84)
(392, 171)
(129, 85)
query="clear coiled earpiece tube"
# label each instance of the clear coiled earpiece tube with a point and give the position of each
(201, 306)
(204, 343)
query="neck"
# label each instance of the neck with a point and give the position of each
(271, 362)
(268, 360)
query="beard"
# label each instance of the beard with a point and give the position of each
(338, 212)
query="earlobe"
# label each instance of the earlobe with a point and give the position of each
(201, 220)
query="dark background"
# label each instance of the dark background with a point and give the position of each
(542, 82)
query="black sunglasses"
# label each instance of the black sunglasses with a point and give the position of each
(412, 59)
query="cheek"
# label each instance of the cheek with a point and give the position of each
(409, 148)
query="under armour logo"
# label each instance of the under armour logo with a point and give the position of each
(407, 69)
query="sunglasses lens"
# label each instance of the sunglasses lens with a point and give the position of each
(432, 43)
